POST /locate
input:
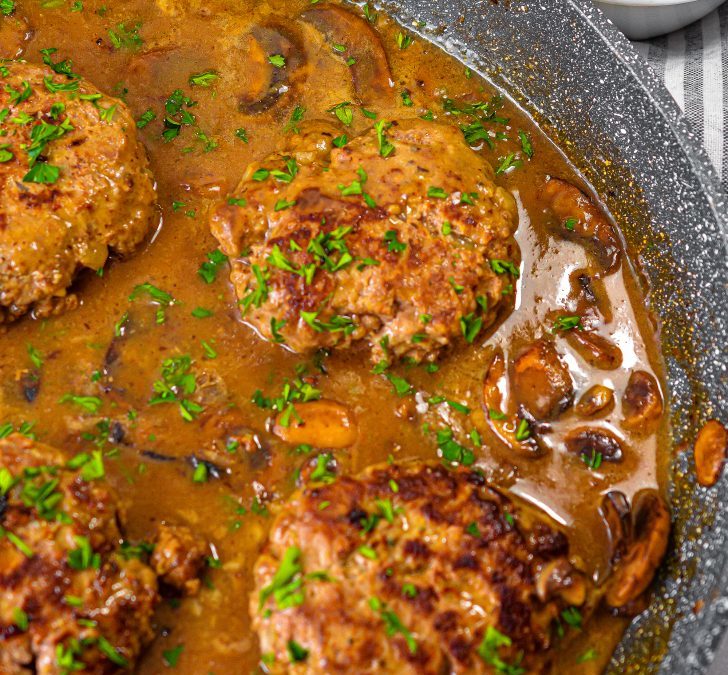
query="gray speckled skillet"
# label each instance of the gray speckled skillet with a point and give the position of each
(581, 80)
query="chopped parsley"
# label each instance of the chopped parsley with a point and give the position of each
(123, 37)
(436, 193)
(343, 112)
(208, 270)
(572, 616)
(394, 245)
(147, 117)
(156, 294)
(204, 79)
(526, 145)
(91, 404)
(507, 163)
(176, 385)
(36, 358)
(296, 117)
(277, 60)
(20, 618)
(296, 653)
(393, 624)
(386, 148)
(403, 40)
(321, 472)
(340, 141)
(83, 557)
(504, 267)
(282, 205)
(5, 154)
(42, 173)
(566, 323)
(452, 451)
(400, 385)
(593, 461)
(202, 313)
(588, 655)
(286, 587)
(369, 13)
(470, 325)
(523, 431)
(171, 656)
(488, 651)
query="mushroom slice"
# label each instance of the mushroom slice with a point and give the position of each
(594, 445)
(322, 424)
(579, 219)
(559, 579)
(711, 448)
(266, 82)
(644, 552)
(616, 513)
(596, 401)
(514, 432)
(588, 293)
(641, 402)
(541, 381)
(370, 71)
(595, 349)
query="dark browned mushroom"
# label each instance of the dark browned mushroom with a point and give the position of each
(514, 432)
(579, 219)
(370, 70)
(641, 402)
(594, 445)
(711, 448)
(596, 401)
(595, 349)
(589, 294)
(644, 552)
(541, 381)
(617, 515)
(323, 424)
(559, 579)
(267, 83)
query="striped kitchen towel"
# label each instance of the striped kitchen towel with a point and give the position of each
(693, 63)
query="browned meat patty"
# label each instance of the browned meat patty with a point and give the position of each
(71, 598)
(74, 183)
(411, 569)
(178, 558)
(399, 238)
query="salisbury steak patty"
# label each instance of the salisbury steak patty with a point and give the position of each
(74, 182)
(411, 569)
(399, 238)
(71, 598)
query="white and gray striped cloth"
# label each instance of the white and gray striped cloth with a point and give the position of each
(693, 63)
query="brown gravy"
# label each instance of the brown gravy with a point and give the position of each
(183, 37)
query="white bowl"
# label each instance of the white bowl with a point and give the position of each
(640, 19)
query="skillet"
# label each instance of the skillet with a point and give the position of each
(659, 185)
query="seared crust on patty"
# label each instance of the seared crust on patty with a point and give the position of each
(410, 569)
(330, 246)
(69, 599)
(103, 196)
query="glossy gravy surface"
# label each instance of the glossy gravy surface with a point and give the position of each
(151, 465)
